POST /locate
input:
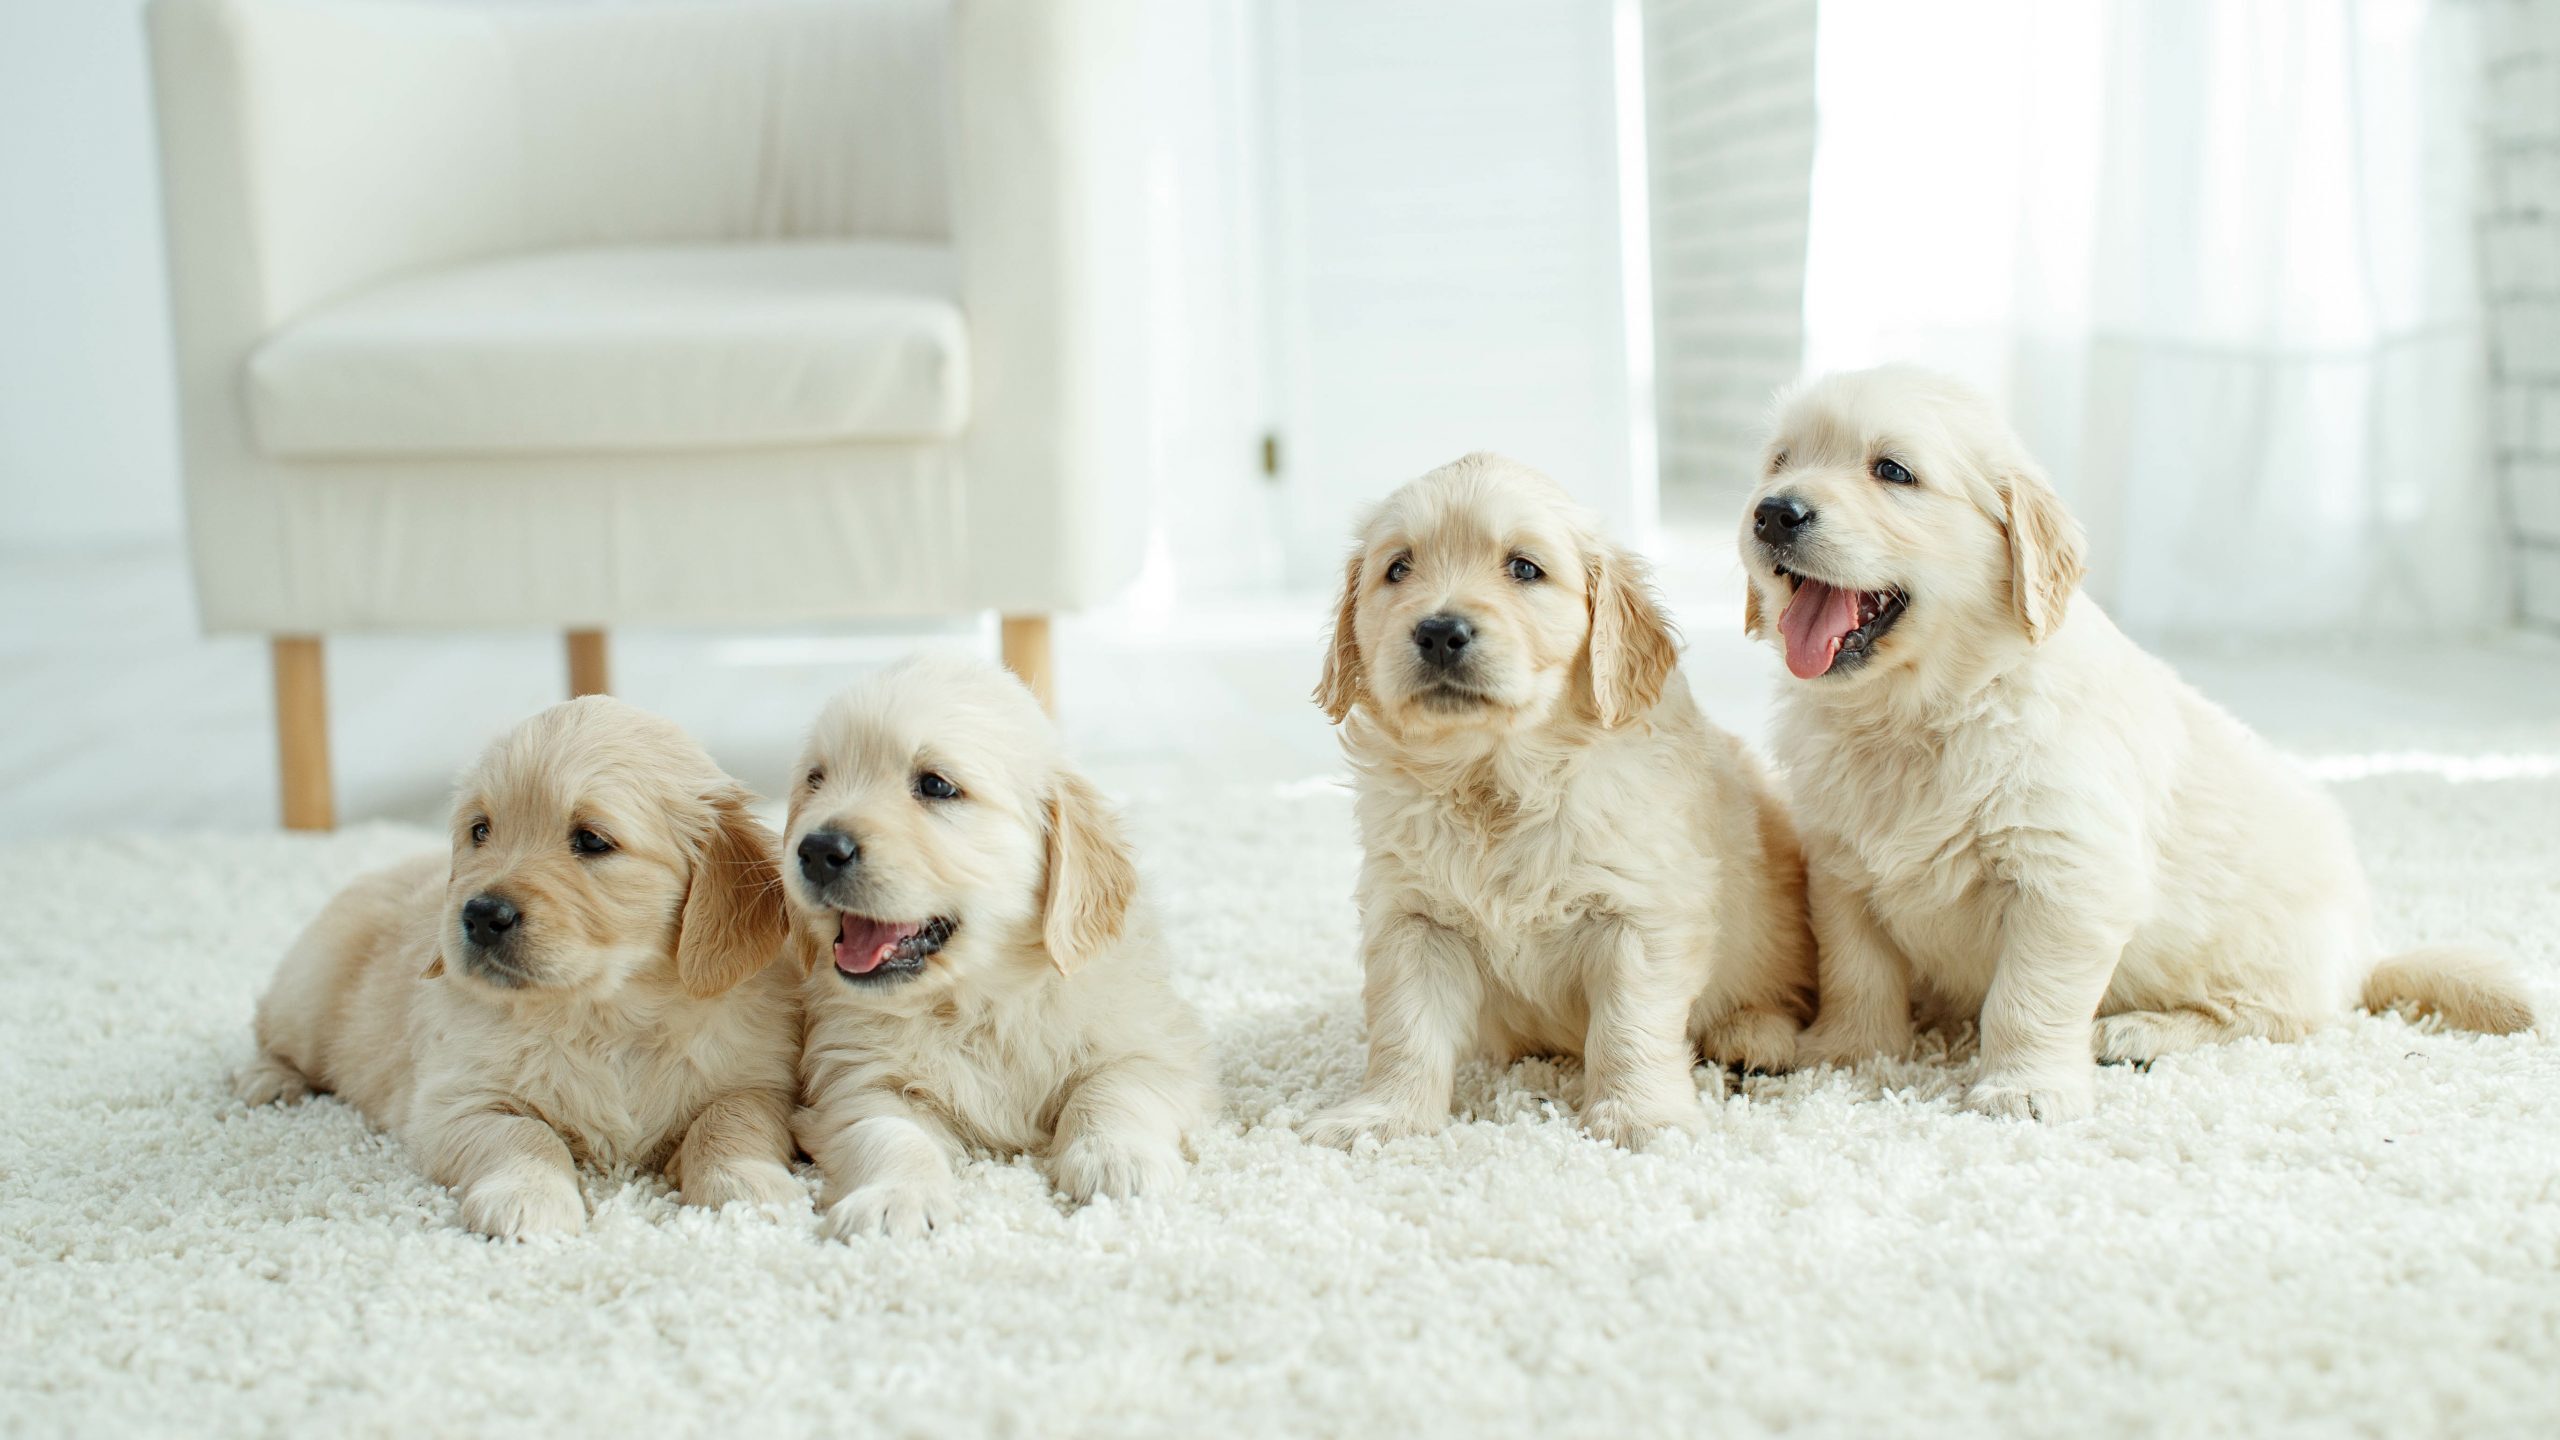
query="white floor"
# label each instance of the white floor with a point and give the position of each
(116, 715)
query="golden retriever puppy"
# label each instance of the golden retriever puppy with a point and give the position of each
(1563, 856)
(994, 981)
(586, 979)
(2006, 803)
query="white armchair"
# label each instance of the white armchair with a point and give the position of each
(681, 311)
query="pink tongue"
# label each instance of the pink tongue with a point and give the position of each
(1817, 620)
(863, 946)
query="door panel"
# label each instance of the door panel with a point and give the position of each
(1445, 268)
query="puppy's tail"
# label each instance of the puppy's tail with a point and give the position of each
(2472, 988)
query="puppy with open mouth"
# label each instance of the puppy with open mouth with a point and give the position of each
(1562, 856)
(2011, 813)
(981, 972)
(587, 976)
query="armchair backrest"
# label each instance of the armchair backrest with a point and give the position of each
(326, 143)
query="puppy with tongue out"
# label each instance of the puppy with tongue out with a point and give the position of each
(2009, 810)
(983, 975)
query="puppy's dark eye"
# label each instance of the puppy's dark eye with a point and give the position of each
(1524, 569)
(816, 778)
(588, 842)
(479, 832)
(934, 787)
(1397, 569)
(1892, 473)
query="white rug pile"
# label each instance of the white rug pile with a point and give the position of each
(2360, 1231)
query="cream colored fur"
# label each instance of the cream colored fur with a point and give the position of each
(1572, 861)
(1046, 1024)
(636, 1020)
(2013, 814)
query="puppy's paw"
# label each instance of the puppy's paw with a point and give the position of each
(2135, 1037)
(1090, 1167)
(1343, 1126)
(523, 1201)
(2046, 1098)
(269, 1081)
(901, 1210)
(765, 1184)
(1838, 1042)
(1759, 1042)
(1630, 1126)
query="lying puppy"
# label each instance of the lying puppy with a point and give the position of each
(2009, 804)
(994, 981)
(586, 979)
(1563, 856)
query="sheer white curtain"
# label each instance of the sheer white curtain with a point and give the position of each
(2217, 258)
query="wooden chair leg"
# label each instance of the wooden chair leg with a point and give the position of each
(302, 733)
(587, 672)
(1026, 654)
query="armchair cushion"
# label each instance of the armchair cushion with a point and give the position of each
(714, 346)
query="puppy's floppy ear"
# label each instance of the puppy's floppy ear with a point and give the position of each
(733, 923)
(803, 947)
(2047, 549)
(435, 962)
(1343, 685)
(1633, 646)
(1092, 878)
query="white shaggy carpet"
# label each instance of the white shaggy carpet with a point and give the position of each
(2360, 1232)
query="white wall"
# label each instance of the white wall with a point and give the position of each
(88, 434)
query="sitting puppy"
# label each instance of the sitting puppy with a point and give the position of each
(2007, 803)
(588, 978)
(994, 981)
(1563, 856)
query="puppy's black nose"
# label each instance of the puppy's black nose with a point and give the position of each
(1442, 639)
(826, 854)
(488, 920)
(1778, 518)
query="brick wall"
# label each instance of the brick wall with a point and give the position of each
(2520, 267)
(1729, 137)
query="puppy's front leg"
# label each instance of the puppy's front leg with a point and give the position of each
(887, 1164)
(1636, 1054)
(2054, 968)
(738, 1148)
(1422, 991)
(1864, 1004)
(1120, 1132)
(513, 1173)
